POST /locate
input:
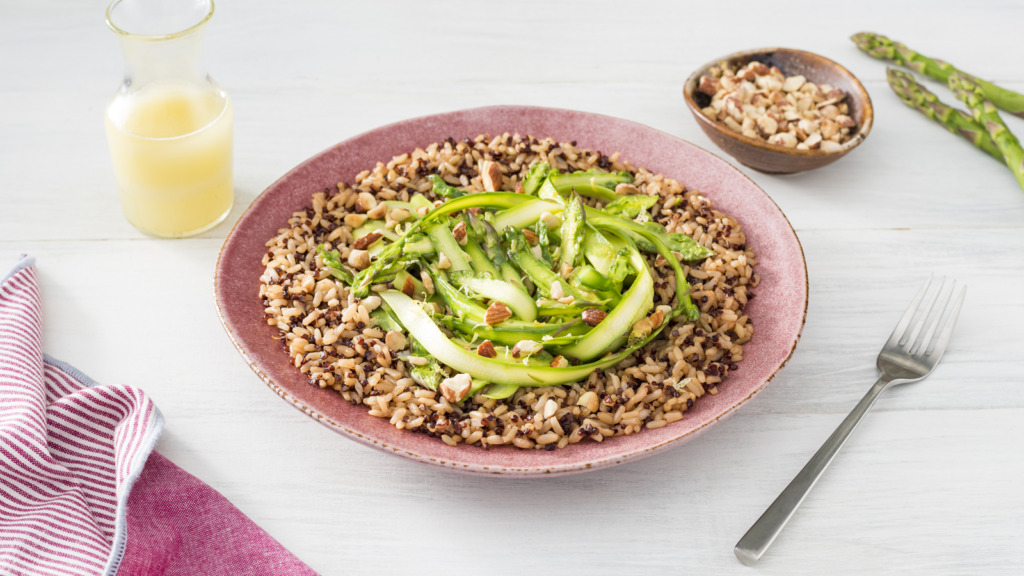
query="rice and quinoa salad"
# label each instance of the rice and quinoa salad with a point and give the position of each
(335, 343)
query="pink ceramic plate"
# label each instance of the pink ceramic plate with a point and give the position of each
(777, 312)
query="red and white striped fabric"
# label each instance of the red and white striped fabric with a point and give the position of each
(70, 450)
(83, 492)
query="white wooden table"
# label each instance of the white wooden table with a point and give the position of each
(931, 483)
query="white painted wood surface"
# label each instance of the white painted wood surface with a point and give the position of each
(931, 483)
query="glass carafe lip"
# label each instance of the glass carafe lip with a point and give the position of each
(169, 36)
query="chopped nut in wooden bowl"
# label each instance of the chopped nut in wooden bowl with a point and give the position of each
(779, 110)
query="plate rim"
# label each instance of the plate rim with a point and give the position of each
(453, 464)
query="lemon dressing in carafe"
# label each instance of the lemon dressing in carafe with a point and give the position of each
(170, 126)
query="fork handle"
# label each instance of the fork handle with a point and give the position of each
(760, 536)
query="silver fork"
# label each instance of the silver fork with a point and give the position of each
(913, 350)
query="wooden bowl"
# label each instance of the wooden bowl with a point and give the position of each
(772, 158)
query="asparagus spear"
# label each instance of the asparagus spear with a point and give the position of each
(442, 188)
(955, 120)
(538, 174)
(592, 183)
(572, 230)
(883, 48)
(970, 92)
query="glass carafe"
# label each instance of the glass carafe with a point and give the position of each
(170, 126)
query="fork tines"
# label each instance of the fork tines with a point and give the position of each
(930, 325)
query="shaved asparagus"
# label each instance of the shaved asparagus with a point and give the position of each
(418, 322)
(494, 284)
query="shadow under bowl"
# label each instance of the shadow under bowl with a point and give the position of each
(771, 158)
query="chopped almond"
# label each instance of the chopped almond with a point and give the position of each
(593, 316)
(365, 241)
(486, 349)
(496, 313)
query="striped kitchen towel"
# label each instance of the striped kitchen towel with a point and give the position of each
(81, 490)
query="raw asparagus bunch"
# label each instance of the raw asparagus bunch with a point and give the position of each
(970, 92)
(915, 95)
(883, 48)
